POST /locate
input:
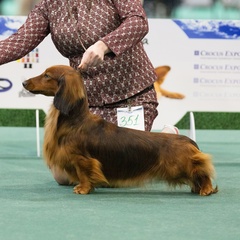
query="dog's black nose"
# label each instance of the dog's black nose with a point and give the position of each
(24, 83)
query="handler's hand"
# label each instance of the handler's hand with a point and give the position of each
(94, 55)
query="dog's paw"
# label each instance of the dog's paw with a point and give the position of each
(79, 189)
(204, 191)
(208, 191)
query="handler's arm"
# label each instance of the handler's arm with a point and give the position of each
(133, 28)
(28, 36)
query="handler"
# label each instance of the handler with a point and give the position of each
(103, 40)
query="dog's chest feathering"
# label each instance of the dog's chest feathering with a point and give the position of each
(51, 149)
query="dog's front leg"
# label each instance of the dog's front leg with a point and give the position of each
(89, 174)
(84, 186)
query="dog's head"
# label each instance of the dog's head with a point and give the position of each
(161, 73)
(62, 82)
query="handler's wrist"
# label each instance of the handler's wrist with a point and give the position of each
(104, 47)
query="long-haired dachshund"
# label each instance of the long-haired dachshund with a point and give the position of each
(94, 152)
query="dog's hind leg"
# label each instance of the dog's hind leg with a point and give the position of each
(203, 186)
(201, 174)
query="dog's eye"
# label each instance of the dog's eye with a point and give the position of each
(46, 75)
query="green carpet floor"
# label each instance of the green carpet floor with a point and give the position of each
(34, 207)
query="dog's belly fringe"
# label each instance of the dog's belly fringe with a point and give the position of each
(184, 168)
(50, 145)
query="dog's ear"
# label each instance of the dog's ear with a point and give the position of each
(71, 92)
(161, 73)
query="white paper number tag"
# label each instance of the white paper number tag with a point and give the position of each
(131, 118)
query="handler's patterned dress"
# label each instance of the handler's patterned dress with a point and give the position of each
(125, 73)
